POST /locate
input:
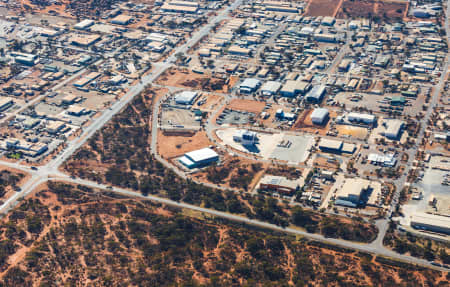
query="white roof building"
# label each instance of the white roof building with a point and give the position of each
(319, 116)
(84, 24)
(270, 88)
(185, 98)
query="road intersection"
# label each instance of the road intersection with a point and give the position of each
(51, 172)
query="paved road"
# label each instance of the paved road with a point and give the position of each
(50, 171)
(383, 225)
(233, 217)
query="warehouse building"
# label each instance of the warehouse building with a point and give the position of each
(293, 88)
(316, 94)
(382, 159)
(270, 88)
(332, 146)
(121, 19)
(83, 25)
(249, 85)
(186, 98)
(5, 103)
(280, 184)
(169, 7)
(367, 119)
(354, 192)
(84, 40)
(236, 50)
(431, 222)
(319, 116)
(393, 129)
(199, 158)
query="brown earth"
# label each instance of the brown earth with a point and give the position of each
(174, 146)
(185, 78)
(67, 235)
(371, 8)
(323, 7)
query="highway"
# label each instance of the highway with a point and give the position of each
(50, 171)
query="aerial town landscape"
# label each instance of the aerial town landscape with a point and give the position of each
(224, 143)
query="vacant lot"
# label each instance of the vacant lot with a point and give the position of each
(370, 8)
(187, 79)
(76, 236)
(246, 105)
(171, 146)
(9, 180)
(323, 7)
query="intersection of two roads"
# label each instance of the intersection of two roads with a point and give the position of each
(50, 171)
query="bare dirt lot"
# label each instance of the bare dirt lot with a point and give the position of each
(247, 105)
(323, 7)
(187, 79)
(177, 145)
(367, 8)
(304, 123)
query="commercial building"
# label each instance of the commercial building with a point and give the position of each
(27, 148)
(186, 98)
(249, 85)
(199, 158)
(280, 184)
(319, 116)
(381, 159)
(316, 94)
(430, 222)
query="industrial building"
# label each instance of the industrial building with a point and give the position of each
(84, 40)
(316, 94)
(199, 158)
(249, 85)
(24, 58)
(393, 128)
(382, 159)
(5, 103)
(319, 116)
(245, 137)
(270, 88)
(280, 184)
(83, 25)
(332, 146)
(431, 222)
(352, 192)
(186, 98)
(121, 19)
(367, 119)
(293, 88)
